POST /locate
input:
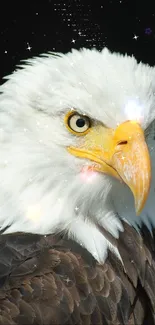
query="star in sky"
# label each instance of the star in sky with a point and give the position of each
(135, 37)
(73, 40)
(29, 47)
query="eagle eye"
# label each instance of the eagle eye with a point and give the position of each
(77, 123)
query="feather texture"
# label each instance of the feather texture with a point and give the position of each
(51, 280)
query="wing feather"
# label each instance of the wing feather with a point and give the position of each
(50, 280)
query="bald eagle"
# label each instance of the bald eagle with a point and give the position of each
(77, 182)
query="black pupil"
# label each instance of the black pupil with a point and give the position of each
(80, 122)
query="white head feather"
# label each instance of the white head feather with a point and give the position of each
(41, 188)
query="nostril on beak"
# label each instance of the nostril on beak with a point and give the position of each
(122, 142)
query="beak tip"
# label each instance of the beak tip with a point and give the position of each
(139, 206)
(138, 212)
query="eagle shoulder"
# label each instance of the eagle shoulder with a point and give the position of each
(53, 280)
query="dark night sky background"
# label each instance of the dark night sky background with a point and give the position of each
(35, 27)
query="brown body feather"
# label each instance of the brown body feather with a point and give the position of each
(50, 280)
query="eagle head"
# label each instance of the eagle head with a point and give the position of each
(77, 147)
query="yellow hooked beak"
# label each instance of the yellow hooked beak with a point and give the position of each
(121, 153)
